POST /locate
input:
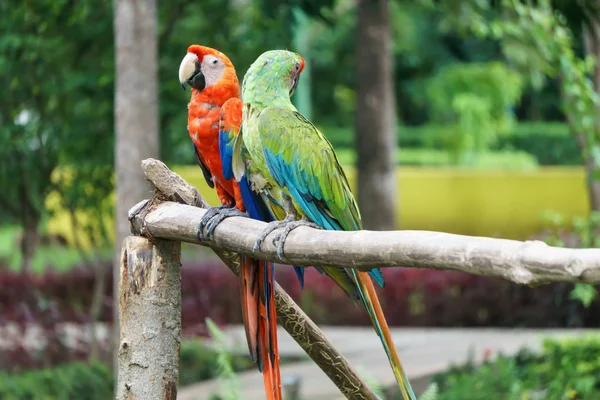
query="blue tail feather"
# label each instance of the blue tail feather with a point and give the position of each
(377, 276)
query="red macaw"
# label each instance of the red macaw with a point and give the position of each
(213, 80)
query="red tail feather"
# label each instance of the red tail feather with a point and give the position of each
(260, 321)
(272, 331)
(249, 295)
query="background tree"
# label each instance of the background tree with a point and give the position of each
(474, 103)
(561, 39)
(558, 39)
(136, 112)
(56, 110)
(375, 117)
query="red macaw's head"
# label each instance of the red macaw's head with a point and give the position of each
(203, 67)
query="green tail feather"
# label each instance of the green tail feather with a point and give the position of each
(406, 389)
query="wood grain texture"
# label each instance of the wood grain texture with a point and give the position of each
(150, 314)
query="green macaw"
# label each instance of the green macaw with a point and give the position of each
(294, 169)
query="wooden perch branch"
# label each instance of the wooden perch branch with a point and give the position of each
(171, 187)
(530, 262)
(150, 315)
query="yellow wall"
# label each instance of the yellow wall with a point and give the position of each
(484, 203)
(505, 204)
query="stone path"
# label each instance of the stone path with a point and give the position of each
(423, 352)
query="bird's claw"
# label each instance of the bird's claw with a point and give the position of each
(271, 226)
(280, 239)
(223, 214)
(213, 217)
(210, 213)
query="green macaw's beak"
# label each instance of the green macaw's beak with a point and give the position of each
(294, 85)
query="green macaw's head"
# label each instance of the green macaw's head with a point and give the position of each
(274, 74)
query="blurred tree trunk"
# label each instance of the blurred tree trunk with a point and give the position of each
(136, 114)
(30, 238)
(375, 117)
(26, 205)
(591, 34)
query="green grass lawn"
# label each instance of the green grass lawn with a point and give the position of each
(64, 258)
(57, 257)
(513, 160)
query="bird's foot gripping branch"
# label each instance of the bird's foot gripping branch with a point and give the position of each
(287, 225)
(213, 217)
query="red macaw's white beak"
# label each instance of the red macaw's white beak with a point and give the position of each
(188, 69)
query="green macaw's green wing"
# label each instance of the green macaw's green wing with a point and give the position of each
(302, 160)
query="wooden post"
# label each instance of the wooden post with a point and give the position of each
(150, 314)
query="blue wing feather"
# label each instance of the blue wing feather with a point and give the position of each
(226, 153)
(306, 192)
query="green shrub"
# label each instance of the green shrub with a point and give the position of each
(428, 157)
(582, 231)
(474, 100)
(228, 380)
(198, 363)
(425, 136)
(565, 369)
(550, 143)
(79, 381)
(94, 381)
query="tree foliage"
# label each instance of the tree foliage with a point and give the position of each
(475, 101)
(56, 67)
(537, 40)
